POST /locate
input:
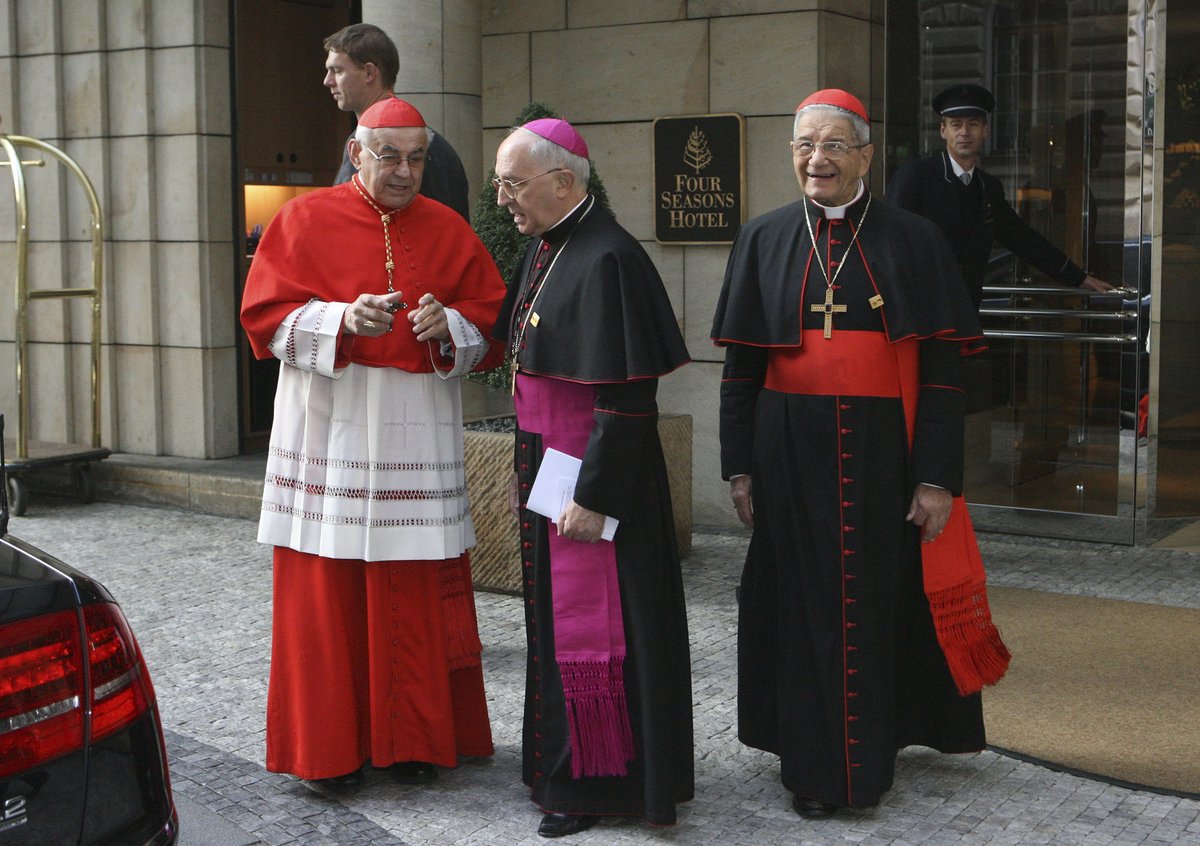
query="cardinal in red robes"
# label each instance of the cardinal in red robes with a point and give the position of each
(371, 297)
(862, 614)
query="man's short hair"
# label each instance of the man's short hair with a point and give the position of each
(861, 129)
(364, 42)
(548, 153)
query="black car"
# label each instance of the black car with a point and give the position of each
(82, 760)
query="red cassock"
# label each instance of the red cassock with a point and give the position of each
(375, 647)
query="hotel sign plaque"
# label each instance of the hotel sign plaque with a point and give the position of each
(699, 178)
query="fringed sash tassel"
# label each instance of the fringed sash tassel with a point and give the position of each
(601, 734)
(955, 585)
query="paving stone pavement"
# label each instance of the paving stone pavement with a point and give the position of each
(197, 591)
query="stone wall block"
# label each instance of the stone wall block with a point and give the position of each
(9, 117)
(694, 390)
(8, 30)
(45, 265)
(40, 116)
(131, 290)
(131, 164)
(844, 36)
(37, 28)
(624, 160)
(179, 294)
(8, 384)
(506, 78)
(77, 260)
(462, 60)
(128, 27)
(76, 208)
(175, 90)
(417, 31)
(8, 281)
(176, 23)
(178, 213)
(704, 270)
(137, 391)
(679, 86)
(771, 181)
(218, 299)
(501, 16)
(460, 125)
(668, 259)
(585, 13)
(50, 401)
(83, 95)
(45, 189)
(216, 116)
(755, 71)
(190, 415)
(128, 76)
(82, 25)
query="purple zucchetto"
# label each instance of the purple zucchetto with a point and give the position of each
(561, 133)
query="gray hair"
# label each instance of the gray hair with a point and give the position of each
(548, 153)
(362, 133)
(861, 129)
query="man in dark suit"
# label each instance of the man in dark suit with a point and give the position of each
(967, 203)
(360, 70)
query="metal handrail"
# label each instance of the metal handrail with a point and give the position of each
(1082, 337)
(23, 295)
(1057, 312)
(1127, 293)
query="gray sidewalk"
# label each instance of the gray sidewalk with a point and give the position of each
(197, 590)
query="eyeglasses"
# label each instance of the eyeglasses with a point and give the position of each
(833, 150)
(391, 161)
(510, 188)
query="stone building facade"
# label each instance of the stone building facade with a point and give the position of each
(142, 94)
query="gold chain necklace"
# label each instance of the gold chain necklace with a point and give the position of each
(812, 237)
(385, 218)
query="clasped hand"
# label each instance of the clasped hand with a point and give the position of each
(371, 315)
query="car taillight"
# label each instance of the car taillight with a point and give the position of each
(42, 700)
(121, 690)
(41, 688)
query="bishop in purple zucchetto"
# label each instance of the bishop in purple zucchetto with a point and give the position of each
(561, 133)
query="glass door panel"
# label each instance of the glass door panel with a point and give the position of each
(1054, 404)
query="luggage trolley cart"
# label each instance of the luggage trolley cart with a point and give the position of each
(24, 456)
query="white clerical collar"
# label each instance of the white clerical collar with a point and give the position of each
(571, 212)
(839, 212)
(959, 170)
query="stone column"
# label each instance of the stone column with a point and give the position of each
(440, 68)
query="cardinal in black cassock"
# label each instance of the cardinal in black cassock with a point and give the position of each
(589, 327)
(841, 429)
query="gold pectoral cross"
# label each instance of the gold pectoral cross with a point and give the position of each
(829, 309)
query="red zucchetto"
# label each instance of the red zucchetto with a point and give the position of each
(835, 97)
(391, 111)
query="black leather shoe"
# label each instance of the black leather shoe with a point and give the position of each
(812, 809)
(560, 825)
(413, 772)
(337, 785)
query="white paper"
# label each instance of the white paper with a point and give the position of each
(554, 488)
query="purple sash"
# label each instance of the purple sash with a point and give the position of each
(589, 631)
